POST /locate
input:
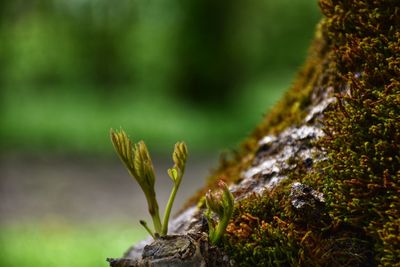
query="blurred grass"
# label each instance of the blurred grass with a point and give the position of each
(64, 245)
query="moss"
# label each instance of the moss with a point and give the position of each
(389, 234)
(259, 234)
(357, 52)
(362, 178)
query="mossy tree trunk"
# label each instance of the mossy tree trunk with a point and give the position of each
(318, 182)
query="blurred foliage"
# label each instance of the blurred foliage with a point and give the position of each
(202, 71)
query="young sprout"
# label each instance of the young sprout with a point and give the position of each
(137, 159)
(138, 162)
(220, 203)
(179, 157)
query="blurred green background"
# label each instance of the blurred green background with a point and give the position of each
(200, 71)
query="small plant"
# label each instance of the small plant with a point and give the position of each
(137, 159)
(221, 203)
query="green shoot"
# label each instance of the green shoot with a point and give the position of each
(220, 203)
(179, 157)
(137, 159)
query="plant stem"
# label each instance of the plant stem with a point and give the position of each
(168, 209)
(154, 211)
(219, 231)
(157, 222)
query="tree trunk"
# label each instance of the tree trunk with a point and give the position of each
(318, 181)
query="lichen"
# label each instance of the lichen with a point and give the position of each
(356, 53)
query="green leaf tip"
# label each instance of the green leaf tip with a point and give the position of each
(179, 156)
(173, 173)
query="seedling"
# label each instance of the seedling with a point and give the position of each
(221, 203)
(137, 159)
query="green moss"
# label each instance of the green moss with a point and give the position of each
(362, 178)
(357, 52)
(258, 235)
(267, 231)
